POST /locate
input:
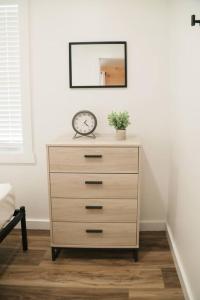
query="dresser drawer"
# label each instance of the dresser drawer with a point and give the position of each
(94, 210)
(93, 159)
(94, 234)
(93, 185)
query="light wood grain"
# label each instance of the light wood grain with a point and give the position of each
(112, 160)
(106, 140)
(107, 210)
(118, 170)
(114, 234)
(113, 186)
(140, 169)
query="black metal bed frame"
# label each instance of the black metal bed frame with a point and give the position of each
(18, 215)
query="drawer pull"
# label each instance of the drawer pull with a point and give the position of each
(94, 230)
(93, 206)
(93, 156)
(93, 182)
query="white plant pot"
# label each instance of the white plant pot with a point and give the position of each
(120, 134)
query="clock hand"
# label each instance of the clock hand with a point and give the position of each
(86, 122)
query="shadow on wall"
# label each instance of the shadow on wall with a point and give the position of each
(152, 202)
(173, 196)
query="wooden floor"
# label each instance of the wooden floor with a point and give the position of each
(87, 274)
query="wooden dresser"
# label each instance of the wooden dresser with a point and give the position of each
(94, 193)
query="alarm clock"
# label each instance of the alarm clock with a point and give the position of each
(84, 123)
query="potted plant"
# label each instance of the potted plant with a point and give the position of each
(120, 122)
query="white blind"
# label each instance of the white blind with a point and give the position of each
(11, 134)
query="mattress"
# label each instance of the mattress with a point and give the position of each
(7, 203)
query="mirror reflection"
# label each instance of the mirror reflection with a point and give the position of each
(98, 64)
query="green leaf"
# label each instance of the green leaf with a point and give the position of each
(119, 120)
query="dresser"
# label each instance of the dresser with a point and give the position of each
(94, 193)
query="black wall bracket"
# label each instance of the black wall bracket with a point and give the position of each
(194, 21)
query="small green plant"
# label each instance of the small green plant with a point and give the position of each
(119, 120)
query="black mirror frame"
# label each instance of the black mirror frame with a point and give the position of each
(97, 86)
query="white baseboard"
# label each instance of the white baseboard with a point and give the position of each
(151, 225)
(41, 224)
(179, 266)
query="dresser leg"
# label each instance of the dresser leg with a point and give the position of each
(135, 254)
(54, 253)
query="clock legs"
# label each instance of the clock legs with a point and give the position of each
(92, 135)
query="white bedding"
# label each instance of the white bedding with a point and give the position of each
(7, 203)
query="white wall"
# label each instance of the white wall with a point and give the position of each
(184, 197)
(54, 23)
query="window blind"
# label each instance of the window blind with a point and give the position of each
(11, 133)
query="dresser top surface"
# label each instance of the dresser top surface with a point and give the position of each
(104, 140)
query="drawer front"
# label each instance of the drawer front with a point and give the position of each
(94, 210)
(94, 234)
(93, 185)
(93, 159)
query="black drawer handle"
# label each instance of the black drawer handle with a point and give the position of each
(93, 156)
(93, 206)
(93, 182)
(94, 230)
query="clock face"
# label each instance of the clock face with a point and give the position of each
(84, 122)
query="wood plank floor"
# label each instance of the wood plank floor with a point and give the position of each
(87, 274)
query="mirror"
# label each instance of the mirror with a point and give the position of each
(97, 64)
